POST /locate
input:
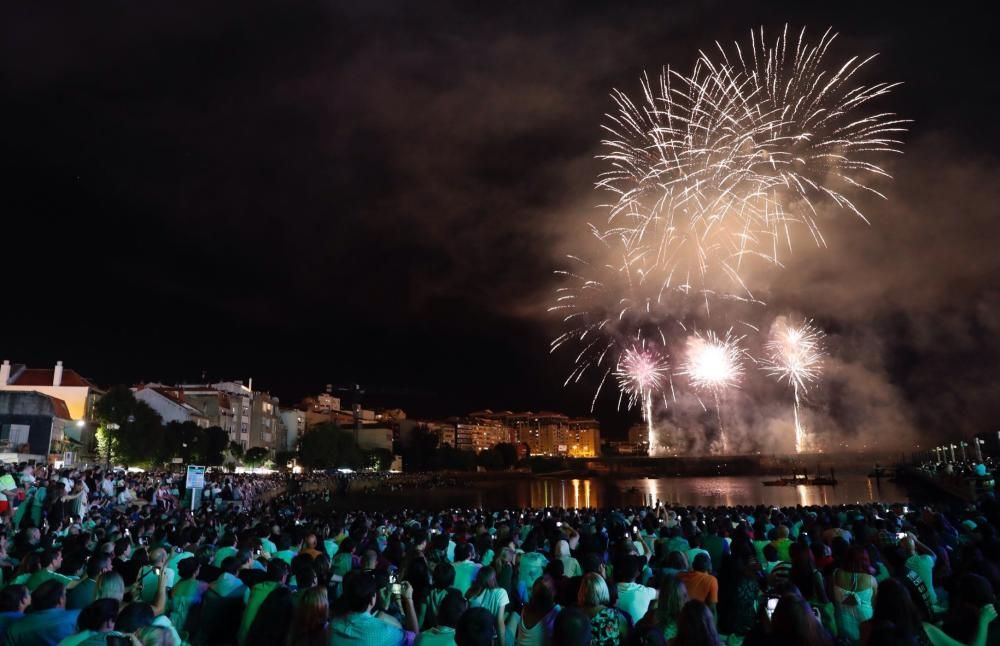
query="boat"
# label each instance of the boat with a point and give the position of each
(801, 479)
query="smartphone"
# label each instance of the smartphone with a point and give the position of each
(157, 570)
(397, 589)
(900, 536)
(559, 523)
(257, 552)
(772, 603)
(906, 509)
(635, 528)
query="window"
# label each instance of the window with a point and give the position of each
(14, 434)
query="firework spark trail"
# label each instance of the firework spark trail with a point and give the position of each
(713, 167)
(715, 365)
(795, 356)
(641, 373)
(710, 169)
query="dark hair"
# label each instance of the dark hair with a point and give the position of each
(134, 616)
(695, 626)
(571, 628)
(702, 562)
(359, 588)
(793, 622)
(626, 569)
(893, 604)
(273, 620)
(303, 570)
(96, 565)
(98, 613)
(188, 567)
(47, 595)
(12, 596)
(47, 556)
(476, 627)
(462, 552)
(277, 569)
(310, 619)
(444, 575)
(451, 608)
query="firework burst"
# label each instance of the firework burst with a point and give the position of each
(641, 373)
(714, 365)
(795, 356)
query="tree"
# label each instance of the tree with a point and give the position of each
(282, 458)
(380, 459)
(256, 456)
(213, 445)
(328, 446)
(507, 453)
(419, 453)
(130, 431)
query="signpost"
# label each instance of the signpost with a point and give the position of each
(195, 483)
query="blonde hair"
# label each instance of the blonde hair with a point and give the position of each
(673, 595)
(593, 591)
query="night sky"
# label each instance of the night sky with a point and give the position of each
(378, 192)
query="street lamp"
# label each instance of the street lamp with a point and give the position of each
(963, 444)
(978, 443)
(952, 447)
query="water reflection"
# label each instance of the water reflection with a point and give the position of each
(714, 491)
(600, 492)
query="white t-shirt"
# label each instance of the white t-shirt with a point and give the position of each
(634, 599)
(493, 600)
(437, 636)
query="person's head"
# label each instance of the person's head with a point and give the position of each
(562, 549)
(770, 553)
(98, 565)
(476, 627)
(543, 596)
(444, 575)
(571, 628)
(303, 571)
(158, 557)
(188, 568)
(50, 594)
(451, 608)
(359, 592)
(155, 636)
(50, 559)
(99, 616)
(14, 598)
(856, 559)
(702, 563)
(793, 622)
(134, 616)
(672, 597)
(696, 626)
(277, 570)
(463, 551)
(313, 609)
(893, 604)
(593, 591)
(110, 585)
(486, 579)
(626, 569)
(274, 619)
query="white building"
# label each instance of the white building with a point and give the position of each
(169, 406)
(295, 425)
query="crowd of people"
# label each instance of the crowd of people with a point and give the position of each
(100, 557)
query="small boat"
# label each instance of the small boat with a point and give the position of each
(801, 479)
